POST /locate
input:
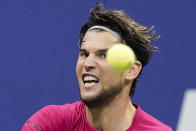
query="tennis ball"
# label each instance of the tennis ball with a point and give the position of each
(120, 57)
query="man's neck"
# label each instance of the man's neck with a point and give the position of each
(116, 116)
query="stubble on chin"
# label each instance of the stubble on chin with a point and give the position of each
(103, 98)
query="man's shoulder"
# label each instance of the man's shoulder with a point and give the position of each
(68, 107)
(51, 115)
(145, 121)
(67, 110)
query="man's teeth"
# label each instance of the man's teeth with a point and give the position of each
(90, 81)
(89, 84)
(90, 78)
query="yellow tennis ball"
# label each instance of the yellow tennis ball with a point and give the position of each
(120, 57)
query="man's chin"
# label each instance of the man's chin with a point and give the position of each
(90, 101)
(93, 101)
(102, 99)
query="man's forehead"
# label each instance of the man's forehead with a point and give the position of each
(97, 45)
(94, 47)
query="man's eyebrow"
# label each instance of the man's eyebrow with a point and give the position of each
(83, 50)
(102, 50)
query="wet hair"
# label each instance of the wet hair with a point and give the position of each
(135, 35)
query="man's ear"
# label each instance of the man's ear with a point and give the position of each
(133, 72)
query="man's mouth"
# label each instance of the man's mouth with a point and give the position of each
(89, 80)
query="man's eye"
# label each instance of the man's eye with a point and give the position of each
(102, 55)
(84, 54)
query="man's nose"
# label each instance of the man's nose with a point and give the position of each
(90, 62)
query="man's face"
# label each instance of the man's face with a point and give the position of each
(97, 80)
